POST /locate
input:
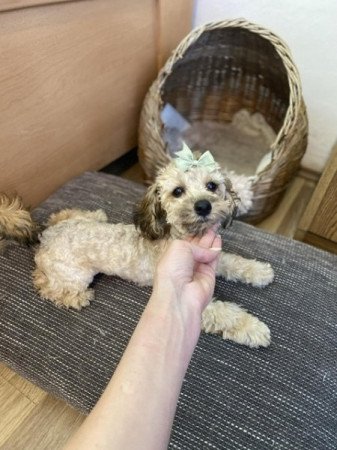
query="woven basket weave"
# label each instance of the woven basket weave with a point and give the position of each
(218, 70)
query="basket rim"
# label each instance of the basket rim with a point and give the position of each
(282, 49)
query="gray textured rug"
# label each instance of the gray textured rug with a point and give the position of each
(283, 397)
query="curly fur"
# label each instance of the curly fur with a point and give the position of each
(15, 221)
(78, 244)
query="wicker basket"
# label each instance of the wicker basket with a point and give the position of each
(217, 70)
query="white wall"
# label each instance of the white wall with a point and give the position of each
(310, 29)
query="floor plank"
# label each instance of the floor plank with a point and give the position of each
(135, 173)
(29, 390)
(14, 408)
(48, 427)
(285, 219)
(6, 372)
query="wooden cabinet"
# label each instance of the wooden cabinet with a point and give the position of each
(73, 75)
(318, 225)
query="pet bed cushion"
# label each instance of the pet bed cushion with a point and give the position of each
(233, 397)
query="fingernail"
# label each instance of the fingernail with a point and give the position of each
(216, 249)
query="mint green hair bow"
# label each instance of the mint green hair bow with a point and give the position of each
(185, 160)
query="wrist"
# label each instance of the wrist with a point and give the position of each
(169, 299)
(171, 322)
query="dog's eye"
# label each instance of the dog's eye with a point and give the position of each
(178, 192)
(211, 186)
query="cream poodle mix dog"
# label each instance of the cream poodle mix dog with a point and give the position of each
(188, 197)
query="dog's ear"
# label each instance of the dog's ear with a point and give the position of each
(234, 199)
(150, 217)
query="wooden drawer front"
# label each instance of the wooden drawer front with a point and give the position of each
(7, 5)
(72, 79)
(319, 223)
(325, 220)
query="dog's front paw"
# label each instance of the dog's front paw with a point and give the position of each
(260, 274)
(235, 324)
(249, 331)
(250, 271)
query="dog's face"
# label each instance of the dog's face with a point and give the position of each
(182, 203)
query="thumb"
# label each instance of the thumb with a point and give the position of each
(204, 255)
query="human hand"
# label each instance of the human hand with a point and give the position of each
(187, 269)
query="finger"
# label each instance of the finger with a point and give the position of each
(217, 243)
(217, 247)
(197, 240)
(204, 255)
(208, 239)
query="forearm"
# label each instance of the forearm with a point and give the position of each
(137, 408)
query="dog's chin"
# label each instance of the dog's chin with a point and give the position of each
(200, 226)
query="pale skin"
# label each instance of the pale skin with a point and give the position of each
(137, 408)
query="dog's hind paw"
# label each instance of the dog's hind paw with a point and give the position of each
(78, 300)
(69, 299)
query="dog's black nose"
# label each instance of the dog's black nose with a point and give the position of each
(202, 207)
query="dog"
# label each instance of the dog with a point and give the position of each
(189, 196)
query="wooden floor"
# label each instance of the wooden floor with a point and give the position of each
(31, 419)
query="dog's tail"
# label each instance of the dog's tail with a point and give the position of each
(16, 221)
